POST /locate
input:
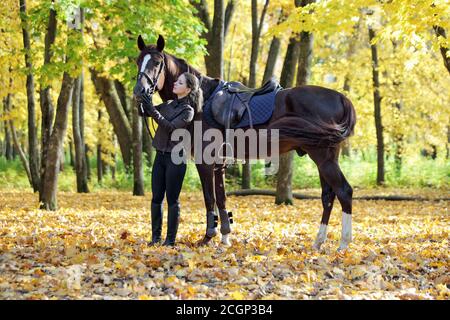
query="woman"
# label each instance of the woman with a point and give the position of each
(167, 177)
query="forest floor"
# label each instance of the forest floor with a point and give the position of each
(94, 247)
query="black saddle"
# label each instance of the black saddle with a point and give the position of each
(231, 102)
(237, 87)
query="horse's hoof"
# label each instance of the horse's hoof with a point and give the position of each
(206, 240)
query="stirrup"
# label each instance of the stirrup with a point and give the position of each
(227, 159)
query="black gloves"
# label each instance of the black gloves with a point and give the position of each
(145, 105)
(146, 100)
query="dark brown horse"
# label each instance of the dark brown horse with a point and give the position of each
(311, 120)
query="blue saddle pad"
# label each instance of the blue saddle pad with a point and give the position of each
(261, 109)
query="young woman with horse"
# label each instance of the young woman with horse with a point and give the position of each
(311, 120)
(167, 176)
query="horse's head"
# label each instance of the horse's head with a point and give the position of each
(151, 68)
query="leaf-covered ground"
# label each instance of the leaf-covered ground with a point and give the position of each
(95, 248)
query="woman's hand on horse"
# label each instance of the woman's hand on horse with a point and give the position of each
(146, 100)
(144, 105)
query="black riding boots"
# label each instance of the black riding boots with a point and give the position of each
(173, 220)
(157, 217)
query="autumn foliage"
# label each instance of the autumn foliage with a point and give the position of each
(95, 247)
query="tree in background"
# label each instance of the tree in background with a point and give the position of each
(32, 128)
(215, 32)
(78, 124)
(411, 40)
(256, 34)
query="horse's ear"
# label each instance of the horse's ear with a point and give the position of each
(160, 43)
(141, 43)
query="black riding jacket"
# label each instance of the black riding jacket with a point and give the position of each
(169, 115)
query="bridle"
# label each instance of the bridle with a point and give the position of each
(151, 90)
(152, 82)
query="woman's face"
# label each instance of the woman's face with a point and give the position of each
(180, 88)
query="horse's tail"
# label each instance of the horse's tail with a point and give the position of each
(349, 119)
(315, 132)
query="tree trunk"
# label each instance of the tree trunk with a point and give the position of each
(80, 158)
(246, 175)
(290, 62)
(440, 32)
(305, 58)
(78, 123)
(346, 146)
(271, 59)
(284, 175)
(71, 156)
(301, 52)
(147, 146)
(50, 184)
(138, 170)
(113, 167)
(229, 11)
(119, 120)
(284, 179)
(273, 53)
(216, 32)
(377, 109)
(62, 161)
(256, 34)
(105, 168)
(22, 155)
(121, 92)
(46, 103)
(231, 54)
(398, 140)
(32, 132)
(87, 165)
(99, 164)
(9, 143)
(214, 61)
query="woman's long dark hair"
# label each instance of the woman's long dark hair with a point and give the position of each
(195, 97)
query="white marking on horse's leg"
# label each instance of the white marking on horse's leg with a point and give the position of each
(346, 236)
(321, 236)
(226, 240)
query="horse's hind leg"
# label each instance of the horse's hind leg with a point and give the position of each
(333, 176)
(328, 197)
(225, 216)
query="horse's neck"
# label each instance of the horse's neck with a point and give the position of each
(208, 84)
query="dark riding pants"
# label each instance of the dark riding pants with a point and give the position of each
(167, 178)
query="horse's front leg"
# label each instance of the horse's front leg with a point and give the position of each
(206, 173)
(221, 198)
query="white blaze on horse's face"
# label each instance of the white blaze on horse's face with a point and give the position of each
(142, 84)
(145, 62)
